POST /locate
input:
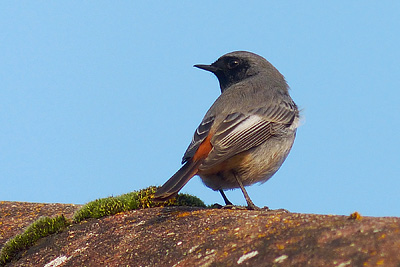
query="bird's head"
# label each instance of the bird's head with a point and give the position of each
(237, 66)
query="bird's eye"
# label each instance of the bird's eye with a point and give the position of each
(233, 64)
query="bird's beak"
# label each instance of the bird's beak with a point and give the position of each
(210, 68)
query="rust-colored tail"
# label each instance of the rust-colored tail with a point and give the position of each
(177, 181)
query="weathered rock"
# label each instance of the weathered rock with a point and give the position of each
(182, 236)
(15, 216)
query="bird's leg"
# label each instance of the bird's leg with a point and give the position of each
(227, 202)
(250, 204)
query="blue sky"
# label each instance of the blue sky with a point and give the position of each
(100, 98)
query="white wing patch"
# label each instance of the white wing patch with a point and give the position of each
(296, 123)
(246, 124)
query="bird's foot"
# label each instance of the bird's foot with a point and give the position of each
(228, 207)
(278, 211)
(252, 207)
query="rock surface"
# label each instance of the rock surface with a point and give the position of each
(183, 236)
(15, 216)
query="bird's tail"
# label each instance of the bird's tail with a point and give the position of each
(177, 181)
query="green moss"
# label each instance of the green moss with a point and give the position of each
(189, 200)
(42, 227)
(95, 209)
(135, 200)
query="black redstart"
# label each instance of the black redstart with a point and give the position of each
(246, 134)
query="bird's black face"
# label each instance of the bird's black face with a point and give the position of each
(229, 70)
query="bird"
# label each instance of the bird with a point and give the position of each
(246, 134)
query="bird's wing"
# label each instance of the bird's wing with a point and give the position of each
(240, 132)
(199, 136)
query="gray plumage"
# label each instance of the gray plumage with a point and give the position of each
(252, 126)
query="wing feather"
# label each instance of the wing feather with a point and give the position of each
(199, 136)
(240, 132)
